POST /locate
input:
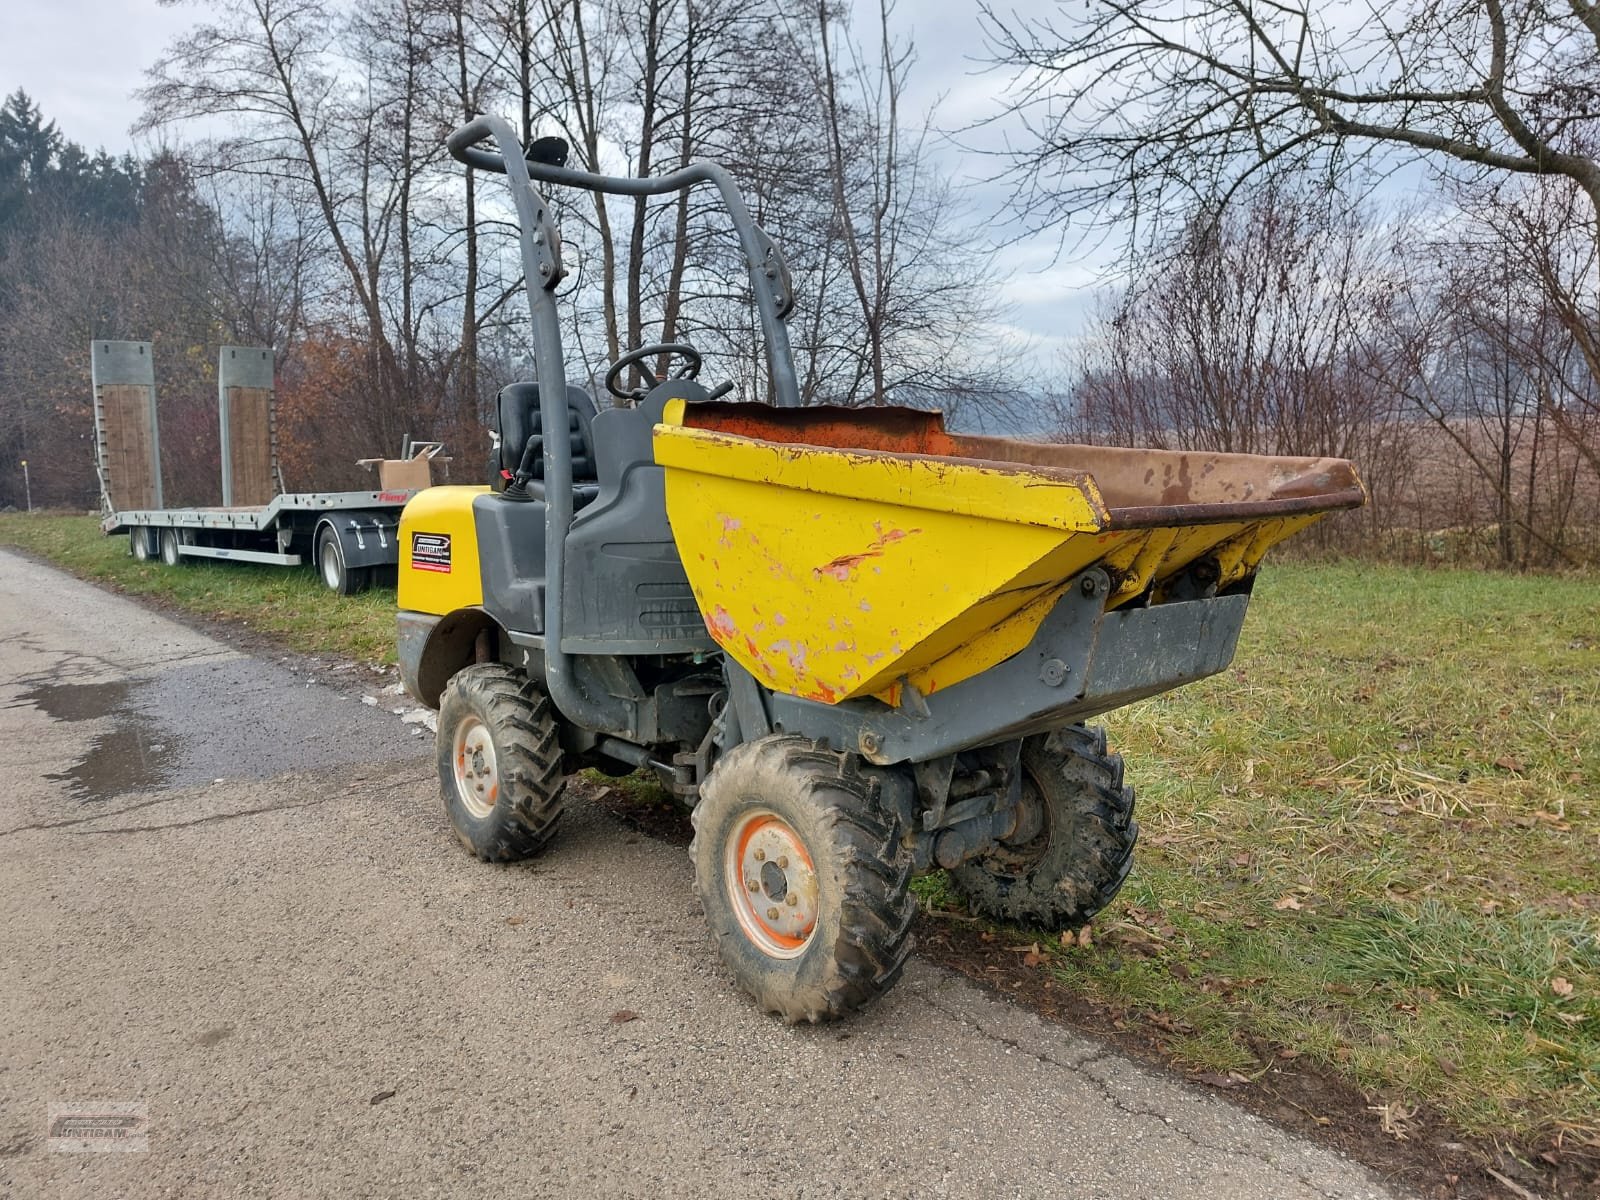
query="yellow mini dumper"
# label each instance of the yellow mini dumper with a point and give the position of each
(858, 646)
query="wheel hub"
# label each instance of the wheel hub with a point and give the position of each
(772, 884)
(1029, 838)
(477, 777)
(330, 564)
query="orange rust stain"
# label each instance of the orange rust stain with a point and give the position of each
(896, 431)
(721, 625)
(841, 567)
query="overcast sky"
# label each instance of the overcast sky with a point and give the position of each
(81, 60)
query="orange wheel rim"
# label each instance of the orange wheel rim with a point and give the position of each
(772, 883)
(477, 774)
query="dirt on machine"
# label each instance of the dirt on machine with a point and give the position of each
(857, 645)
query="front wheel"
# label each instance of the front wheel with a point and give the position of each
(803, 878)
(499, 763)
(1076, 838)
(139, 544)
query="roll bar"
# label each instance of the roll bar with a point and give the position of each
(541, 267)
(769, 273)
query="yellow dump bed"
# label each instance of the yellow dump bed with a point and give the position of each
(839, 553)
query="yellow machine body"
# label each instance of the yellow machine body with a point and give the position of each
(439, 567)
(838, 554)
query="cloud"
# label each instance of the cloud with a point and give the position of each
(80, 61)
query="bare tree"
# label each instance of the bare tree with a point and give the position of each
(1140, 107)
(919, 285)
(1257, 331)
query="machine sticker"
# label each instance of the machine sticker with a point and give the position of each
(430, 552)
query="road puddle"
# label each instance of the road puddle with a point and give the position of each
(132, 756)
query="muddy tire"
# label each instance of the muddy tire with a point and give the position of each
(499, 763)
(826, 928)
(1079, 857)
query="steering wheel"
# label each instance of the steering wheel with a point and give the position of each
(691, 366)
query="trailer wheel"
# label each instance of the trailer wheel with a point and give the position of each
(139, 544)
(346, 580)
(499, 763)
(803, 878)
(1079, 844)
(170, 554)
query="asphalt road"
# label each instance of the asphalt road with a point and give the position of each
(228, 893)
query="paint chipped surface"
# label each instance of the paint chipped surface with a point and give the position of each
(842, 567)
(913, 554)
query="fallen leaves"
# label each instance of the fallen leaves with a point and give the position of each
(1396, 1119)
(1285, 903)
(623, 1015)
(1561, 986)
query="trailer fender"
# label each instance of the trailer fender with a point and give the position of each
(369, 538)
(431, 648)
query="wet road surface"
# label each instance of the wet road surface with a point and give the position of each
(228, 894)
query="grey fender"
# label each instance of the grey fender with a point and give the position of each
(369, 538)
(431, 648)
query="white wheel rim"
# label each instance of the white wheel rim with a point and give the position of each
(476, 773)
(772, 883)
(169, 550)
(330, 564)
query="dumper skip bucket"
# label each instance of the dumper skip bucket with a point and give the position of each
(840, 553)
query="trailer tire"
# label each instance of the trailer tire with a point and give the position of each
(499, 763)
(171, 555)
(139, 544)
(1081, 855)
(331, 567)
(833, 868)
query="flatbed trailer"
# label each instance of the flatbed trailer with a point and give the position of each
(350, 536)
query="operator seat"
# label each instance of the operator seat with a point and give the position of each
(517, 409)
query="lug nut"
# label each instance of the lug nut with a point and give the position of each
(791, 899)
(753, 884)
(761, 856)
(772, 914)
(783, 862)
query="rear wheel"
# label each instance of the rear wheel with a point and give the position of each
(1077, 842)
(499, 763)
(346, 580)
(170, 554)
(803, 878)
(139, 544)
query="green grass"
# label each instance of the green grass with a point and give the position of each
(1372, 844)
(290, 603)
(1375, 842)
